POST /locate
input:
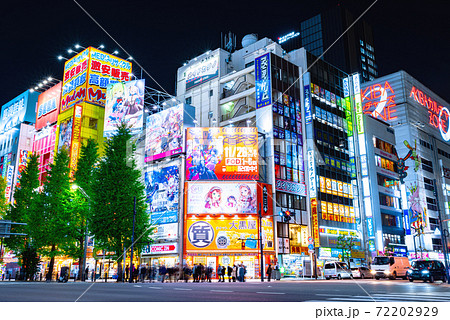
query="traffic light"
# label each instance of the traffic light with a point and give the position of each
(287, 216)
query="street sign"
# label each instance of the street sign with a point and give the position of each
(265, 199)
(310, 240)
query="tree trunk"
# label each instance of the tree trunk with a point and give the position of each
(52, 264)
(119, 271)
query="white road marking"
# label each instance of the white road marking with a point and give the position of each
(270, 292)
(154, 287)
(182, 289)
(221, 291)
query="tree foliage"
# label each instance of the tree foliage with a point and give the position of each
(4, 206)
(117, 182)
(25, 209)
(56, 202)
(84, 178)
(346, 243)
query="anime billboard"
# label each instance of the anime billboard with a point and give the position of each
(162, 188)
(65, 134)
(229, 153)
(164, 133)
(124, 102)
(223, 197)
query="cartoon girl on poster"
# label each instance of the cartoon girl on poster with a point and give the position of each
(247, 203)
(213, 200)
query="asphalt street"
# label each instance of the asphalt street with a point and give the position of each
(251, 291)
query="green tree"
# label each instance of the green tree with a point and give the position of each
(84, 178)
(4, 206)
(117, 182)
(25, 210)
(56, 224)
(346, 244)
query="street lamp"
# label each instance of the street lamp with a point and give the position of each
(83, 275)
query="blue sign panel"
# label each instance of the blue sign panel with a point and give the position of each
(407, 222)
(308, 114)
(263, 85)
(370, 232)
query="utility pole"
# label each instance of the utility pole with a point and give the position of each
(261, 243)
(132, 242)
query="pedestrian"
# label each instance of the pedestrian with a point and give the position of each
(222, 273)
(269, 272)
(219, 272)
(86, 273)
(234, 273)
(209, 271)
(135, 275)
(241, 273)
(127, 273)
(162, 272)
(229, 272)
(202, 272)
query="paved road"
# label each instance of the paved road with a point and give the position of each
(252, 291)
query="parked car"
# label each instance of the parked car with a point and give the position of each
(427, 270)
(361, 272)
(338, 270)
(390, 267)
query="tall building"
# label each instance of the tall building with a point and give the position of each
(83, 97)
(420, 120)
(303, 126)
(354, 52)
(46, 119)
(16, 138)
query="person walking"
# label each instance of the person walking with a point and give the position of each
(229, 272)
(234, 273)
(162, 272)
(222, 273)
(241, 273)
(269, 272)
(202, 272)
(127, 273)
(209, 271)
(219, 272)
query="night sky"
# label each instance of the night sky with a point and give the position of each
(409, 35)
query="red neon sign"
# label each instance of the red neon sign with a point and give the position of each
(438, 116)
(379, 101)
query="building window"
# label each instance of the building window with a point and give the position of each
(389, 201)
(427, 165)
(431, 204)
(429, 185)
(188, 100)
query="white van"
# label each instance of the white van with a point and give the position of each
(390, 267)
(338, 270)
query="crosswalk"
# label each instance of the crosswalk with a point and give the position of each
(386, 297)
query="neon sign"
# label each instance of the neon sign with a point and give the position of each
(380, 101)
(288, 36)
(438, 115)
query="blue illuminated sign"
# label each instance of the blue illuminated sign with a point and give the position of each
(263, 85)
(308, 114)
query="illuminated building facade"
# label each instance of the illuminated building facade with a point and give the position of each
(16, 138)
(83, 97)
(420, 120)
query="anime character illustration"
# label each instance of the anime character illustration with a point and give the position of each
(416, 212)
(231, 204)
(116, 104)
(247, 202)
(65, 134)
(134, 104)
(213, 200)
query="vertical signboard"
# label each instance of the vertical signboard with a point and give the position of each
(263, 85)
(315, 222)
(312, 174)
(76, 139)
(308, 112)
(9, 180)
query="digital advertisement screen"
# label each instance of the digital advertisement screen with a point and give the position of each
(162, 183)
(229, 153)
(124, 103)
(65, 134)
(222, 197)
(164, 133)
